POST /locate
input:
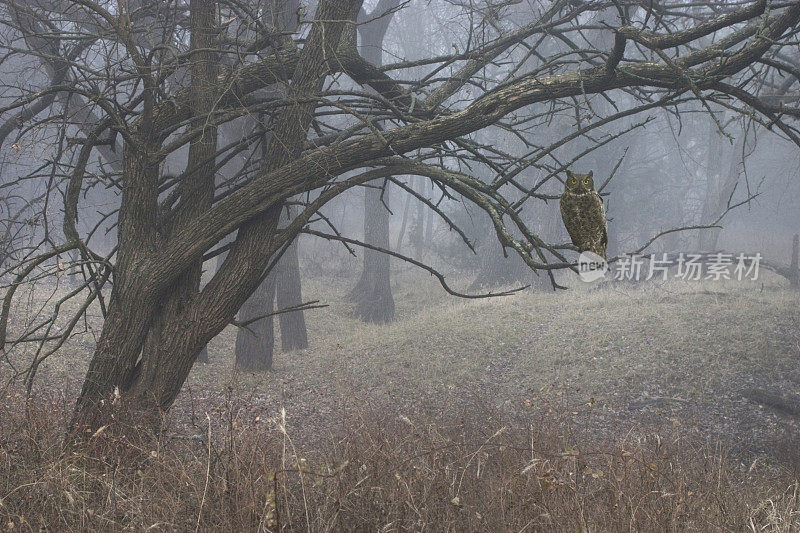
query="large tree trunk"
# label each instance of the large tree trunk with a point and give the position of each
(372, 293)
(255, 342)
(133, 305)
(153, 333)
(168, 346)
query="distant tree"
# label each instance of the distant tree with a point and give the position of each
(255, 343)
(372, 293)
(325, 139)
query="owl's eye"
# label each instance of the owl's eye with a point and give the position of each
(586, 182)
(574, 180)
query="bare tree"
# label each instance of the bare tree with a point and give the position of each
(326, 139)
(373, 291)
(255, 343)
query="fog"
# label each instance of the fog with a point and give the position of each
(298, 241)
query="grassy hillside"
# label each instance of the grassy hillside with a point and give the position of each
(677, 350)
(667, 406)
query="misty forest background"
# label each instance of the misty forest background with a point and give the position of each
(278, 265)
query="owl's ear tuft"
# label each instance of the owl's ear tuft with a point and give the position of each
(570, 174)
(591, 173)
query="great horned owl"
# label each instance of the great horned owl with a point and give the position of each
(583, 214)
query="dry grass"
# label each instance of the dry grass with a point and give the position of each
(593, 410)
(477, 473)
(682, 353)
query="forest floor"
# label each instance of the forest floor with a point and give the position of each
(714, 364)
(720, 361)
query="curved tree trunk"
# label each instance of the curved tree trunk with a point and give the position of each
(152, 334)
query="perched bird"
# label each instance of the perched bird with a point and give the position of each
(583, 214)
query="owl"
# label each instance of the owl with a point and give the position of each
(583, 214)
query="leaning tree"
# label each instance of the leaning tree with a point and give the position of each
(160, 78)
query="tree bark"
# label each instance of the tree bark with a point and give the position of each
(255, 342)
(418, 226)
(147, 345)
(155, 377)
(294, 335)
(372, 293)
(286, 281)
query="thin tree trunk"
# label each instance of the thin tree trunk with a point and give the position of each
(720, 184)
(402, 233)
(294, 335)
(418, 227)
(429, 224)
(255, 342)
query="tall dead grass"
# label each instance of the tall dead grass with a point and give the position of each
(378, 471)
